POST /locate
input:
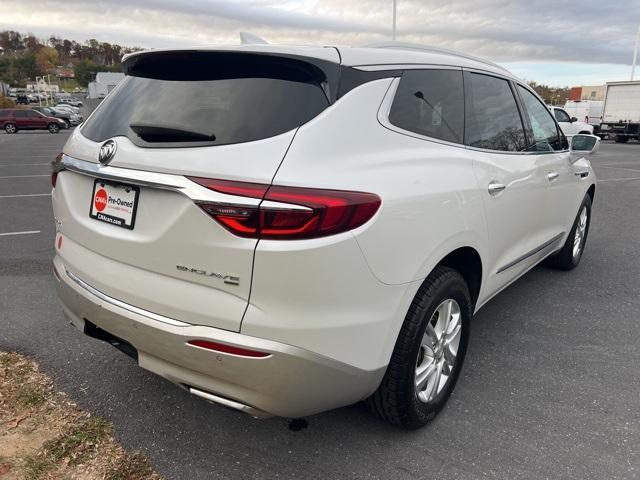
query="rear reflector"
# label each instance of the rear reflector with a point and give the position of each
(288, 213)
(222, 348)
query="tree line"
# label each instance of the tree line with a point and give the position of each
(24, 56)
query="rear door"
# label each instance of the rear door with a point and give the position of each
(513, 182)
(193, 132)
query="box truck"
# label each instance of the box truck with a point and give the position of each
(621, 112)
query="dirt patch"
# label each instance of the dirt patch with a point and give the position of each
(45, 436)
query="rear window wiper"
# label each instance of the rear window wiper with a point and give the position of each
(167, 133)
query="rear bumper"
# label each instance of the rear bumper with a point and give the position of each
(290, 382)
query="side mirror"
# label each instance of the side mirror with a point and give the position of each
(582, 146)
(574, 119)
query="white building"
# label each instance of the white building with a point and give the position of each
(104, 83)
(41, 86)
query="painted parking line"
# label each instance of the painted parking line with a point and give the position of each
(21, 164)
(617, 168)
(24, 176)
(28, 232)
(618, 179)
(27, 195)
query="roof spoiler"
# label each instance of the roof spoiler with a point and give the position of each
(247, 38)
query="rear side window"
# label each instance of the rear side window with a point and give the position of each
(431, 103)
(492, 119)
(195, 100)
(544, 131)
(4, 113)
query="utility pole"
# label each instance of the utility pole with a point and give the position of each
(635, 54)
(393, 35)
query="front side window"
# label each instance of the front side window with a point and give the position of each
(431, 103)
(22, 113)
(492, 120)
(561, 115)
(544, 131)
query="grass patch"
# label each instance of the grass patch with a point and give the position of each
(44, 436)
(30, 397)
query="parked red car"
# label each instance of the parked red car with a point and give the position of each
(13, 119)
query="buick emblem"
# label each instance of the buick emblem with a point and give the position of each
(107, 151)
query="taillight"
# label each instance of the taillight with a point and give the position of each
(56, 168)
(289, 213)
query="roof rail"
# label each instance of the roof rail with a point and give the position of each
(430, 49)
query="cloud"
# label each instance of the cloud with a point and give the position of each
(502, 30)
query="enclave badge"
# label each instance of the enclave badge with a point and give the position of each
(228, 279)
(107, 151)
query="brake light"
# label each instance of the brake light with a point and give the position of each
(289, 213)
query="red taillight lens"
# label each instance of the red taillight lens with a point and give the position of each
(288, 213)
(221, 347)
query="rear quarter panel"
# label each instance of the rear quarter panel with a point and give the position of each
(366, 281)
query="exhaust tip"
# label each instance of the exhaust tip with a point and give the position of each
(225, 402)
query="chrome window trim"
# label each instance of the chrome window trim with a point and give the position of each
(387, 102)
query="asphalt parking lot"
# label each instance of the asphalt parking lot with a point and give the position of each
(550, 387)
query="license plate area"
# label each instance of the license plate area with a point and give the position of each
(114, 203)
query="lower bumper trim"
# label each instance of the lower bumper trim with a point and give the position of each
(225, 402)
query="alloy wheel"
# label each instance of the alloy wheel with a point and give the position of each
(581, 230)
(438, 350)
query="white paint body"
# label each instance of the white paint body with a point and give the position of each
(342, 297)
(587, 111)
(570, 128)
(622, 103)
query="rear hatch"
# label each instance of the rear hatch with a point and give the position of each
(135, 228)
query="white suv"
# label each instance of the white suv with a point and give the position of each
(287, 230)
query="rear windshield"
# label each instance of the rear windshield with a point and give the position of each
(198, 101)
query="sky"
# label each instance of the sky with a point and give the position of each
(557, 42)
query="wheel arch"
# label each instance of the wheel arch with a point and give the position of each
(592, 192)
(468, 263)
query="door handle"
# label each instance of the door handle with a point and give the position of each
(495, 188)
(551, 176)
(582, 174)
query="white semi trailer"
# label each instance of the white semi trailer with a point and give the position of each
(621, 112)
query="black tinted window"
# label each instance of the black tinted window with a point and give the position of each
(544, 133)
(492, 118)
(207, 106)
(4, 113)
(562, 116)
(431, 103)
(22, 113)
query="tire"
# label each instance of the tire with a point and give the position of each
(10, 128)
(67, 123)
(569, 256)
(53, 128)
(619, 139)
(398, 400)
